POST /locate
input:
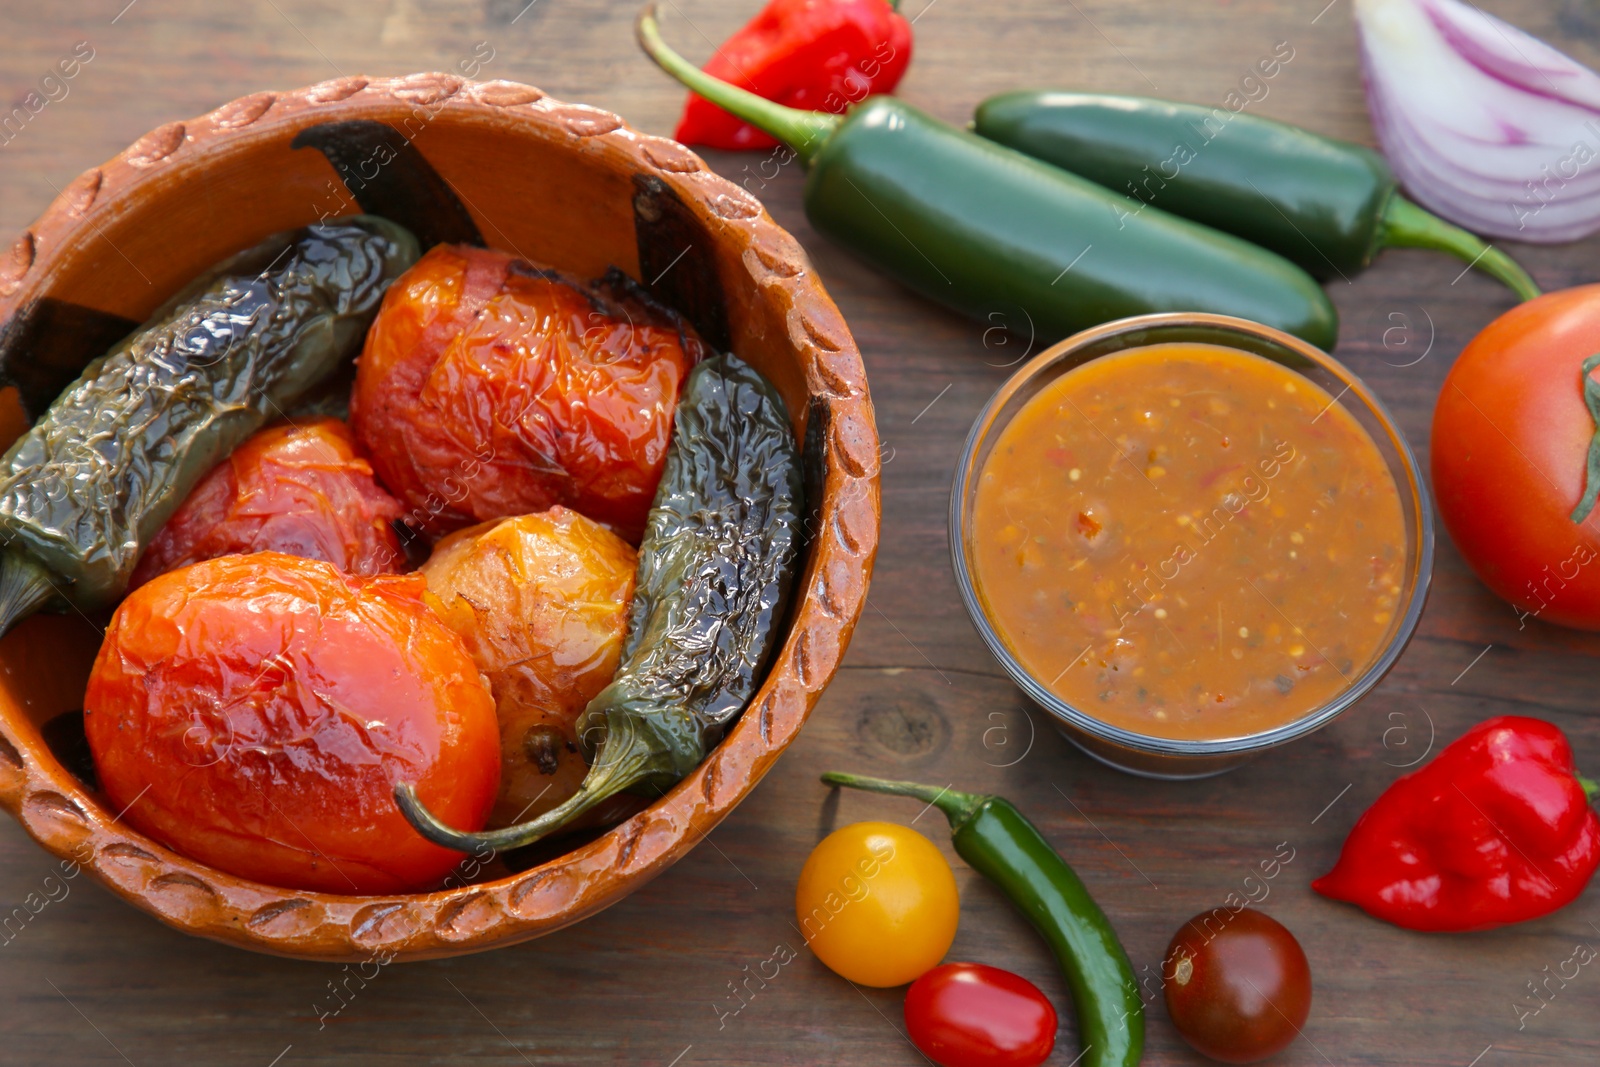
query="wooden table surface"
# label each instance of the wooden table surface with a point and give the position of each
(91, 981)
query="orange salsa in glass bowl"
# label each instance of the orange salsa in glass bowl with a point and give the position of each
(1190, 538)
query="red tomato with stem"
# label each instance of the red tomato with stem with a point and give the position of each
(1238, 986)
(1511, 441)
(973, 1015)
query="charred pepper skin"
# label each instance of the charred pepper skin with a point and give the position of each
(1328, 205)
(716, 569)
(1496, 830)
(1001, 237)
(84, 490)
(1003, 846)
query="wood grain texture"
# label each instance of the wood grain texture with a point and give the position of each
(88, 980)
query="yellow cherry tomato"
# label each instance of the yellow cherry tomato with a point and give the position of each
(877, 903)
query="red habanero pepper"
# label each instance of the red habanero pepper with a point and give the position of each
(1496, 830)
(819, 55)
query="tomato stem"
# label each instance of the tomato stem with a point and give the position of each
(1591, 479)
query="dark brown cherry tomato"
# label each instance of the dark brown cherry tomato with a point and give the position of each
(255, 713)
(300, 489)
(490, 388)
(973, 1015)
(1238, 985)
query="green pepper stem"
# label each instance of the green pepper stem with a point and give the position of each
(803, 131)
(1405, 225)
(1590, 786)
(957, 807)
(623, 762)
(25, 587)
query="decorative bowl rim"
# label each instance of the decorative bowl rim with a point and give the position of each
(58, 811)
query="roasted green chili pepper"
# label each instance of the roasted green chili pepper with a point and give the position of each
(989, 231)
(715, 567)
(87, 486)
(1003, 846)
(1328, 205)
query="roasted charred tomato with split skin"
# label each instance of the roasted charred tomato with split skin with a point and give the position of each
(490, 388)
(298, 488)
(541, 602)
(255, 713)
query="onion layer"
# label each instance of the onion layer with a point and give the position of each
(1484, 124)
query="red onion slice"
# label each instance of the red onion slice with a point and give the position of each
(1485, 125)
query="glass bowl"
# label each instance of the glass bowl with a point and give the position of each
(1160, 757)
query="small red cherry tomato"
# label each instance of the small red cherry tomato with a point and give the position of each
(1238, 985)
(972, 1015)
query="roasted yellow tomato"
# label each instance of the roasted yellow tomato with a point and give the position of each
(541, 602)
(877, 903)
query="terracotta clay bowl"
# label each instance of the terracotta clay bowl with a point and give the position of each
(499, 162)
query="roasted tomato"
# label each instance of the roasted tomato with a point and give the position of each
(1512, 436)
(300, 489)
(542, 604)
(255, 712)
(490, 388)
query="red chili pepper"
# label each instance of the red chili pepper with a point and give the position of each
(819, 55)
(1497, 829)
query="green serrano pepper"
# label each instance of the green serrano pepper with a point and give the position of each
(987, 230)
(1328, 205)
(84, 489)
(1003, 846)
(715, 568)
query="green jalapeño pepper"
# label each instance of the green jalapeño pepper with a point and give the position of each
(1328, 205)
(715, 567)
(990, 232)
(84, 489)
(1003, 846)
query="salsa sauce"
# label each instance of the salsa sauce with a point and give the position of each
(1188, 541)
